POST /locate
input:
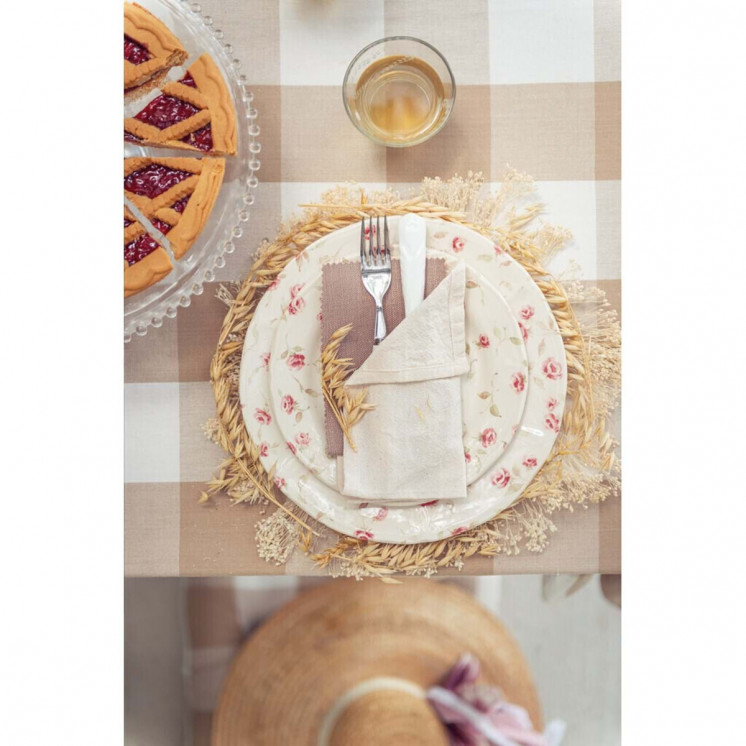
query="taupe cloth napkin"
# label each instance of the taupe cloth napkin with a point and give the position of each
(410, 447)
(344, 301)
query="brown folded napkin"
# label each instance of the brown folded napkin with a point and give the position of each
(344, 300)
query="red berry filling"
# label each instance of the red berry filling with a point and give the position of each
(200, 139)
(188, 80)
(165, 111)
(161, 225)
(130, 137)
(153, 180)
(138, 249)
(127, 222)
(180, 206)
(134, 52)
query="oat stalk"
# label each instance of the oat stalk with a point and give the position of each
(348, 407)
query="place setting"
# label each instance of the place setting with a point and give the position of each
(460, 377)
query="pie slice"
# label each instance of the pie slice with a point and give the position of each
(176, 194)
(150, 51)
(194, 113)
(145, 260)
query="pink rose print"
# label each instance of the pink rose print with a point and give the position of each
(552, 422)
(264, 450)
(488, 437)
(320, 316)
(458, 244)
(459, 530)
(280, 482)
(483, 341)
(296, 361)
(529, 462)
(526, 312)
(292, 448)
(524, 331)
(296, 306)
(262, 417)
(467, 457)
(364, 535)
(303, 439)
(552, 369)
(518, 382)
(274, 284)
(428, 503)
(288, 404)
(501, 478)
(265, 358)
(367, 231)
(552, 403)
(499, 250)
(295, 290)
(381, 514)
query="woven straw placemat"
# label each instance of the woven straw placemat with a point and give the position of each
(582, 468)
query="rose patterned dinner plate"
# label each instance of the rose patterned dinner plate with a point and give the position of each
(493, 392)
(501, 484)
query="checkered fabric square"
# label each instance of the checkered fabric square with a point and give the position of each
(538, 88)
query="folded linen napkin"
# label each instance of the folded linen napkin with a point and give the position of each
(344, 301)
(410, 447)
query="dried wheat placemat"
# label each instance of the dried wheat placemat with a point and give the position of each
(582, 469)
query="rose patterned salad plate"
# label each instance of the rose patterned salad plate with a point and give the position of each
(504, 479)
(493, 391)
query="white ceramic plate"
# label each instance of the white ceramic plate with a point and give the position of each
(503, 482)
(493, 392)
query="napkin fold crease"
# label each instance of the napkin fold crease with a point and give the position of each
(410, 447)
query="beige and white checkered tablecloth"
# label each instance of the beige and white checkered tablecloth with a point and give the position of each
(538, 88)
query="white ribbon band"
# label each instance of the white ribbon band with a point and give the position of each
(380, 683)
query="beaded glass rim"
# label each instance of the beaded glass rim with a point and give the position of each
(153, 313)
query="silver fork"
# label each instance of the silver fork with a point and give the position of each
(375, 265)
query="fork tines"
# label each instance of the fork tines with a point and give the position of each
(375, 255)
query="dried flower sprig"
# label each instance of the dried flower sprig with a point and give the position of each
(348, 407)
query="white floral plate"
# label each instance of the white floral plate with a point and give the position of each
(433, 520)
(493, 392)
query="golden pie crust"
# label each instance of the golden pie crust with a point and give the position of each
(154, 267)
(202, 189)
(213, 99)
(165, 50)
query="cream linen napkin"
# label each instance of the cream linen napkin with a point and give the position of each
(410, 447)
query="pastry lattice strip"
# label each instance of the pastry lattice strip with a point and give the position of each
(145, 260)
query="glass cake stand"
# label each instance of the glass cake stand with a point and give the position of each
(161, 301)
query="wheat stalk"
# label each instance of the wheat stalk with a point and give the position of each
(348, 408)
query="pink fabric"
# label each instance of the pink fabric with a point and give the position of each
(476, 715)
(344, 301)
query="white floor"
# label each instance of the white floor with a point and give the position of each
(573, 646)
